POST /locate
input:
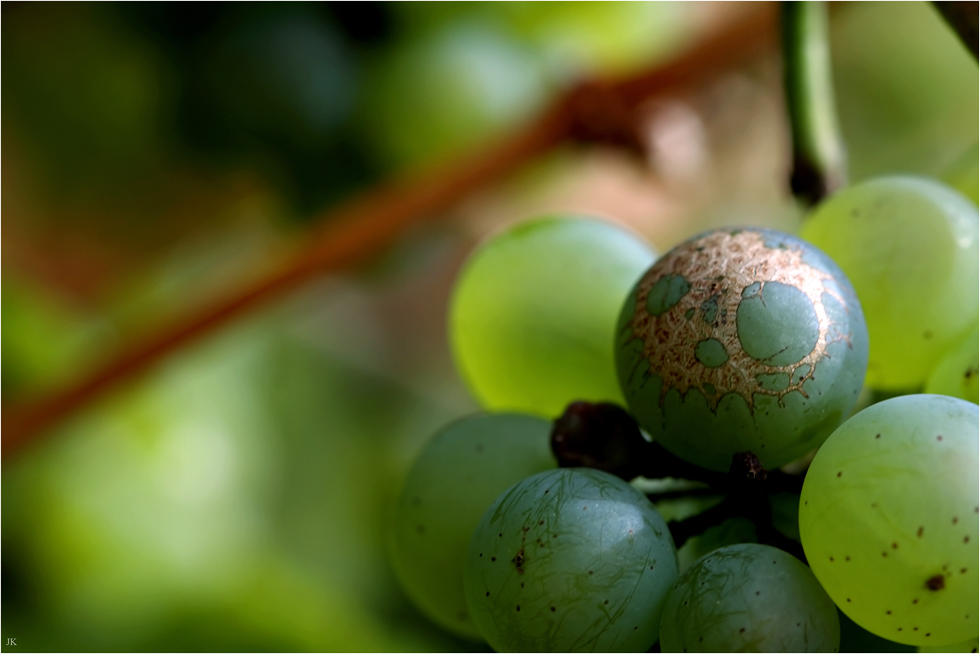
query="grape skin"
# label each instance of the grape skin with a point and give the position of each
(889, 519)
(749, 598)
(910, 248)
(958, 373)
(570, 560)
(534, 311)
(456, 477)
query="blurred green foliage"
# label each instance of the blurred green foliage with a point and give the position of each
(235, 498)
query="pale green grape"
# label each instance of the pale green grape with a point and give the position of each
(889, 519)
(958, 372)
(570, 560)
(749, 598)
(966, 646)
(456, 477)
(910, 248)
(534, 313)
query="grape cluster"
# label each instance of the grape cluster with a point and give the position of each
(741, 350)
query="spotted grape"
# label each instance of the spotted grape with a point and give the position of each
(889, 519)
(570, 560)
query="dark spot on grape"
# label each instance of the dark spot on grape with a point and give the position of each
(888, 612)
(847, 558)
(877, 435)
(685, 602)
(527, 529)
(606, 602)
(939, 438)
(701, 639)
(894, 546)
(758, 593)
(590, 572)
(493, 558)
(919, 533)
(838, 473)
(797, 624)
(552, 609)
(500, 535)
(635, 628)
(885, 554)
(915, 601)
(915, 628)
(966, 539)
(522, 584)
(927, 334)
(481, 554)
(488, 593)
(651, 567)
(546, 492)
(831, 560)
(518, 607)
(962, 571)
(541, 523)
(936, 583)
(519, 561)
(928, 634)
(554, 535)
(420, 529)
(899, 628)
(955, 520)
(742, 630)
(874, 505)
(848, 599)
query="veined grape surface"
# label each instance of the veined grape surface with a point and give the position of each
(456, 477)
(570, 560)
(889, 519)
(749, 598)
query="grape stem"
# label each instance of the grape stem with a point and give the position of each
(819, 160)
(605, 436)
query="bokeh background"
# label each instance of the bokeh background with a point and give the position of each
(159, 155)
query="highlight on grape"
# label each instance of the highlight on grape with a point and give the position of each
(584, 514)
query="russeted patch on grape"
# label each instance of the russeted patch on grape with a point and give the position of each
(741, 340)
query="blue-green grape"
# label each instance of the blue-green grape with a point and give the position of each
(749, 598)
(741, 340)
(910, 248)
(457, 476)
(966, 646)
(958, 373)
(570, 560)
(889, 519)
(534, 313)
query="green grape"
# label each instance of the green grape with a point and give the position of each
(570, 560)
(966, 646)
(741, 340)
(534, 313)
(910, 248)
(958, 373)
(457, 476)
(749, 598)
(889, 519)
